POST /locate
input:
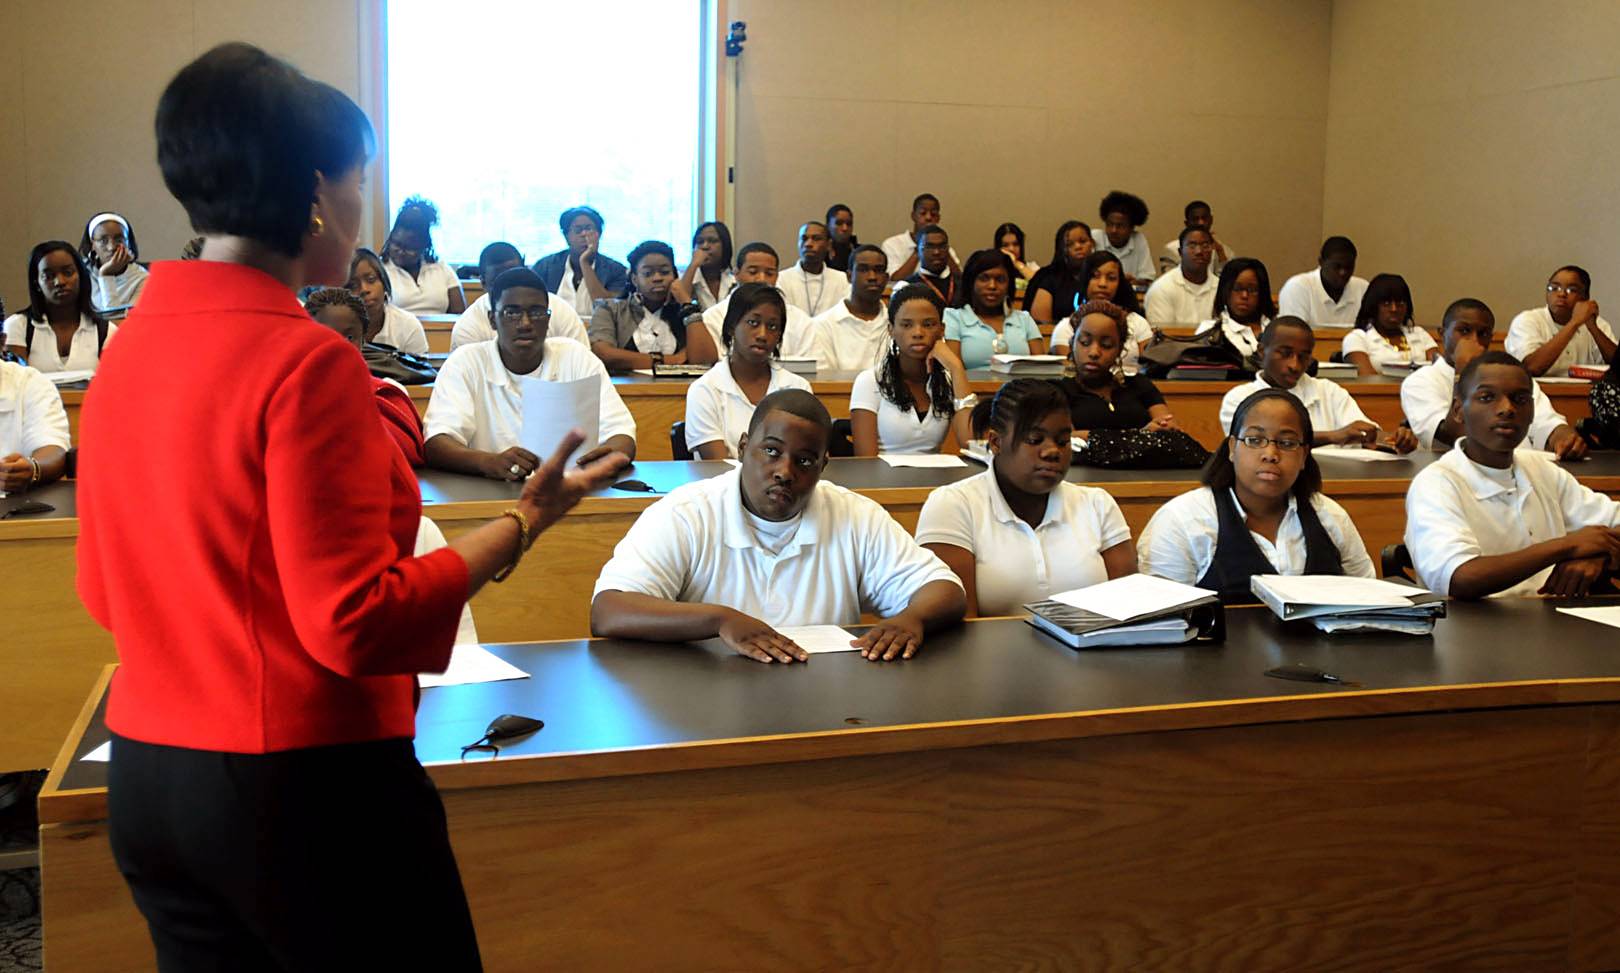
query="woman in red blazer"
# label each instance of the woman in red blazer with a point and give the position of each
(266, 805)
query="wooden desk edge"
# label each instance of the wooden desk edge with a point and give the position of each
(58, 806)
(70, 746)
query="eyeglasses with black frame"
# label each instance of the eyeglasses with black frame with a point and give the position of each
(1254, 441)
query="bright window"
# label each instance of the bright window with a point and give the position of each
(506, 112)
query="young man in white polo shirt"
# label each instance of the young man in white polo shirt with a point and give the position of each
(1568, 331)
(901, 249)
(1186, 293)
(1330, 294)
(851, 337)
(1286, 348)
(757, 263)
(474, 323)
(1198, 213)
(474, 421)
(1490, 519)
(769, 545)
(811, 285)
(1465, 334)
(33, 429)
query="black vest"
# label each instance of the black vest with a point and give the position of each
(1238, 557)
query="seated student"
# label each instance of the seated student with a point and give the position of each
(1243, 305)
(1057, 289)
(59, 331)
(1330, 294)
(1009, 239)
(1018, 532)
(1122, 215)
(1568, 331)
(937, 269)
(1286, 348)
(841, 228)
(419, 281)
(901, 249)
(1106, 281)
(581, 275)
(756, 264)
(851, 336)
(909, 401)
(110, 251)
(985, 322)
(1465, 334)
(1186, 293)
(1101, 396)
(810, 285)
(707, 278)
(33, 429)
(649, 325)
(1487, 520)
(475, 419)
(474, 323)
(1198, 213)
(1384, 332)
(1261, 510)
(720, 403)
(769, 545)
(385, 323)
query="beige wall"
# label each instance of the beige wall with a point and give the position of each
(1030, 112)
(1471, 145)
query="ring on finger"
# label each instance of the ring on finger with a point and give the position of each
(516, 469)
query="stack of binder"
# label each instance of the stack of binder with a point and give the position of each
(1335, 603)
(1028, 366)
(1138, 609)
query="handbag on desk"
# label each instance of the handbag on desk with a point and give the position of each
(386, 361)
(1208, 351)
(1141, 449)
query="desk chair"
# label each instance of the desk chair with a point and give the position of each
(1396, 561)
(677, 442)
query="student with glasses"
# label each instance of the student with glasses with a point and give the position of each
(1385, 333)
(419, 281)
(1261, 509)
(1568, 331)
(1243, 304)
(1185, 294)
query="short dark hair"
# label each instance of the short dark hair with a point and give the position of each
(723, 232)
(1119, 201)
(978, 262)
(1124, 293)
(836, 208)
(922, 198)
(36, 294)
(1021, 403)
(1187, 211)
(1286, 321)
(573, 213)
(241, 136)
(1465, 304)
(795, 402)
(86, 247)
(498, 252)
(648, 248)
(1586, 278)
(807, 224)
(1337, 246)
(510, 278)
(418, 215)
(1229, 276)
(745, 298)
(1470, 371)
(1181, 238)
(758, 246)
(363, 255)
(867, 248)
(1384, 287)
(1058, 249)
(1219, 473)
(335, 297)
(932, 228)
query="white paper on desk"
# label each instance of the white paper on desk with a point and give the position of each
(68, 378)
(924, 461)
(99, 755)
(1355, 454)
(469, 664)
(1132, 596)
(1561, 380)
(1603, 616)
(550, 409)
(816, 639)
(1340, 590)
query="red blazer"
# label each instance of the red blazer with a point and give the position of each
(246, 527)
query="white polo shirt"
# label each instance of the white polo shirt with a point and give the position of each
(1384, 352)
(31, 412)
(1329, 404)
(898, 248)
(1244, 338)
(899, 430)
(82, 352)
(1457, 510)
(798, 340)
(430, 538)
(1135, 256)
(1139, 335)
(1534, 328)
(1015, 564)
(474, 324)
(403, 330)
(1179, 541)
(846, 556)
(717, 409)
(846, 343)
(1304, 297)
(1173, 299)
(1426, 400)
(706, 298)
(813, 293)
(426, 293)
(479, 403)
(117, 290)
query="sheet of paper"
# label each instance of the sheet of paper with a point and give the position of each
(1603, 616)
(69, 378)
(550, 409)
(1130, 596)
(733, 463)
(816, 639)
(923, 461)
(99, 755)
(1561, 380)
(1354, 454)
(1322, 589)
(470, 664)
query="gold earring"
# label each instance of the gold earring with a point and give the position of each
(317, 226)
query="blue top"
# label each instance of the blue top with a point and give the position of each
(978, 338)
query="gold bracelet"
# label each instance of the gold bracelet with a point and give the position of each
(524, 540)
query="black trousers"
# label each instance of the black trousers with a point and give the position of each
(328, 858)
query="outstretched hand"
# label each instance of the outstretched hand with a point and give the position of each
(552, 492)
